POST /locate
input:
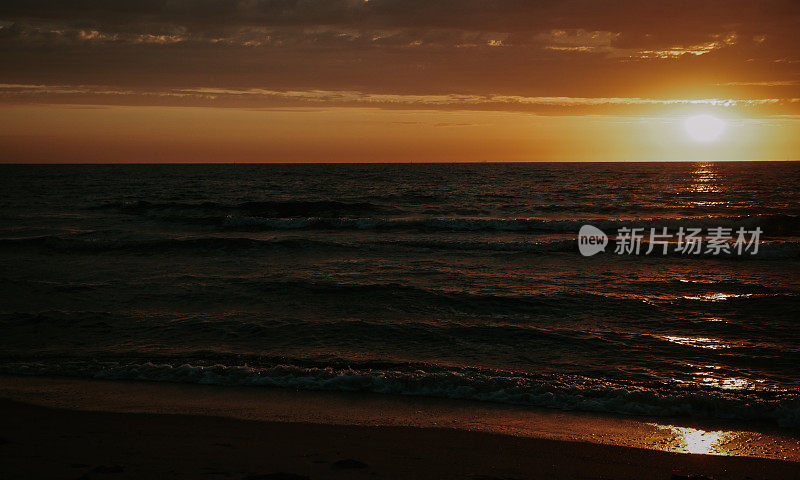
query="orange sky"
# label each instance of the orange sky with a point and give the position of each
(396, 80)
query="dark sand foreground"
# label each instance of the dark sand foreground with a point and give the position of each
(64, 443)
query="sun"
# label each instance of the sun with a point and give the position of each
(704, 128)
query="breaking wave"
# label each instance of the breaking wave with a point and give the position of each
(549, 391)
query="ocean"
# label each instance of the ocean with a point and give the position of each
(462, 281)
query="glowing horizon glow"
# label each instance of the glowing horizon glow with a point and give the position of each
(358, 82)
(704, 128)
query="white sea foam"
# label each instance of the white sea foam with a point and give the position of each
(564, 392)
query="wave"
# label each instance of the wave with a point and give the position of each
(67, 244)
(494, 246)
(80, 244)
(690, 210)
(252, 333)
(366, 215)
(383, 204)
(772, 225)
(83, 244)
(200, 291)
(267, 208)
(551, 391)
(779, 250)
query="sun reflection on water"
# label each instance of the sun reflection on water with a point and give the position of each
(728, 383)
(701, 441)
(699, 342)
(694, 440)
(718, 297)
(712, 376)
(704, 179)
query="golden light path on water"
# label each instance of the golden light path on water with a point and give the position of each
(699, 342)
(704, 180)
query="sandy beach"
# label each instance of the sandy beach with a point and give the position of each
(79, 429)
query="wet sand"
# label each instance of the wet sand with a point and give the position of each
(63, 428)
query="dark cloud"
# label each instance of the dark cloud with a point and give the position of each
(507, 15)
(576, 48)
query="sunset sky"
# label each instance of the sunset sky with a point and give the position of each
(396, 80)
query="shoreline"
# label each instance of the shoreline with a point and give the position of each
(240, 432)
